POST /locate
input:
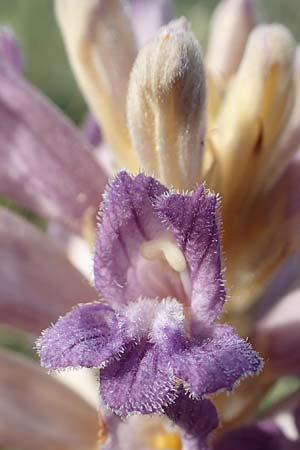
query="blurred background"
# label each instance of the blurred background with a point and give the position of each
(46, 64)
(48, 69)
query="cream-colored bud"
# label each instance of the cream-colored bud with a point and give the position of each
(231, 24)
(256, 106)
(289, 142)
(166, 106)
(101, 47)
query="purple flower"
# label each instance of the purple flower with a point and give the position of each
(158, 267)
(186, 425)
(265, 435)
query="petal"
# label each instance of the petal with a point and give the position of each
(195, 419)
(127, 221)
(261, 436)
(148, 16)
(141, 381)
(194, 221)
(100, 43)
(217, 363)
(37, 282)
(141, 432)
(230, 27)
(282, 281)
(289, 141)
(44, 162)
(297, 418)
(10, 51)
(277, 335)
(38, 412)
(86, 337)
(288, 186)
(91, 130)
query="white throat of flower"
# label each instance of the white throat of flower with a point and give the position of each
(164, 247)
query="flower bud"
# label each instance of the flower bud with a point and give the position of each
(289, 142)
(231, 24)
(166, 106)
(101, 47)
(262, 89)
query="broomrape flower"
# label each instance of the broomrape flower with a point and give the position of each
(158, 266)
(182, 130)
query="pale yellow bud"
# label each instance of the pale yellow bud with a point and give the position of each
(257, 104)
(231, 24)
(101, 47)
(289, 142)
(166, 106)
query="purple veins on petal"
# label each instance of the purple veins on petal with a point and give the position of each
(85, 337)
(194, 221)
(140, 210)
(141, 381)
(127, 221)
(216, 363)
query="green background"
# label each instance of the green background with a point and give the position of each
(46, 63)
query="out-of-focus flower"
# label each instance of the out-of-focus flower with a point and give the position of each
(37, 411)
(10, 50)
(49, 168)
(276, 430)
(262, 436)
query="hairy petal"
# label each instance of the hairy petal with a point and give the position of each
(167, 90)
(194, 221)
(37, 281)
(44, 164)
(127, 221)
(38, 412)
(141, 381)
(88, 336)
(195, 419)
(219, 362)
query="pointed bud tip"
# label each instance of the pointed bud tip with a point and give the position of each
(167, 104)
(172, 56)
